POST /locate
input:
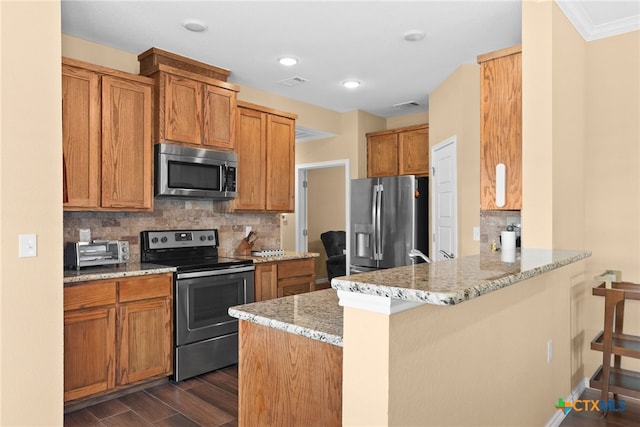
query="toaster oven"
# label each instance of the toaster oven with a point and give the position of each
(96, 253)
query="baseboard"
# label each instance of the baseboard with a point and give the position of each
(321, 281)
(558, 417)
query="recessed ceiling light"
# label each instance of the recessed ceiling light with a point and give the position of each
(194, 25)
(288, 60)
(414, 35)
(351, 84)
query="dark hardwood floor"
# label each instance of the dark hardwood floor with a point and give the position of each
(208, 400)
(212, 400)
(628, 418)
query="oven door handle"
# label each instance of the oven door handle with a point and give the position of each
(230, 270)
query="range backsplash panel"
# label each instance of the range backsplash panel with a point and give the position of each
(176, 214)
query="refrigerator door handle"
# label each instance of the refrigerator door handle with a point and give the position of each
(374, 216)
(378, 225)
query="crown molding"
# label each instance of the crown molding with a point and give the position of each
(580, 19)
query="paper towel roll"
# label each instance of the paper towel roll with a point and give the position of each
(508, 255)
(508, 240)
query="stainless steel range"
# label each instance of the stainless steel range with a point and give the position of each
(206, 285)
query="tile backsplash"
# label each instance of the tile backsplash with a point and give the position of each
(492, 223)
(176, 214)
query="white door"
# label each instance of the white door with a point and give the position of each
(445, 199)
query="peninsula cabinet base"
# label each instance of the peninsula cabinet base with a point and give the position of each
(287, 380)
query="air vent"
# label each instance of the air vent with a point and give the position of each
(293, 81)
(304, 134)
(406, 105)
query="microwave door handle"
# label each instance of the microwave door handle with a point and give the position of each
(223, 178)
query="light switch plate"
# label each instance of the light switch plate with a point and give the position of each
(476, 233)
(27, 245)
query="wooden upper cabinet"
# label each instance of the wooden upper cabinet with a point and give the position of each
(126, 144)
(81, 136)
(382, 155)
(281, 140)
(220, 112)
(413, 152)
(252, 159)
(266, 159)
(501, 126)
(401, 151)
(107, 138)
(183, 109)
(194, 109)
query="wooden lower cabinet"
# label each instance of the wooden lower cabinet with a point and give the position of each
(287, 380)
(284, 278)
(89, 351)
(266, 281)
(116, 333)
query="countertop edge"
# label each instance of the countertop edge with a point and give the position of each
(73, 276)
(287, 327)
(452, 298)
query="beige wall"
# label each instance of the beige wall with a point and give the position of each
(409, 119)
(581, 156)
(449, 366)
(455, 111)
(31, 383)
(325, 210)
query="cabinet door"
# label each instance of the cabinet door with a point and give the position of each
(89, 351)
(81, 136)
(281, 140)
(219, 117)
(294, 286)
(501, 130)
(144, 340)
(251, 148)
(382, 155)
(266, 281)
(126, 144)
(296, 277)
(182, 110)
(413, 148)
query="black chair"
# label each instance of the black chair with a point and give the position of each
(334, 245)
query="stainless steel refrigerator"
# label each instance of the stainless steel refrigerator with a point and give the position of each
(389, 217)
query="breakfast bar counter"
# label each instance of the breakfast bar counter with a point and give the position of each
(391, 347)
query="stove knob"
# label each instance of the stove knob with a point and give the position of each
(154, 240)
(164, 240)
(203, 238)
(210, 237)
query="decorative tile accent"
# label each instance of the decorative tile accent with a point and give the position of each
(176, 214)
(492, 223)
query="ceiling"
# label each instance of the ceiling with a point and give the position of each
(333, 40)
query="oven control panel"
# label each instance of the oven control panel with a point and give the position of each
(180, 238)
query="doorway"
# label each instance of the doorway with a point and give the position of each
(444, 187)
(322, 203)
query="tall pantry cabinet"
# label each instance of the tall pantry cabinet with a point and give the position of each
(501, 126)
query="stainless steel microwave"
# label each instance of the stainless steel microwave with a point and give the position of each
(196, 173)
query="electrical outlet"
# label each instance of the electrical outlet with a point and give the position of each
(549, 351)
(476, 234)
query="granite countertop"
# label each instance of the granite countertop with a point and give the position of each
(114, 272)
(454, 281)
(287, 255)
(314, 315)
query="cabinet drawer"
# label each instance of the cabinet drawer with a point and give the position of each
(145, 287)
(303, 267)
(293, 288)
(94, 294)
